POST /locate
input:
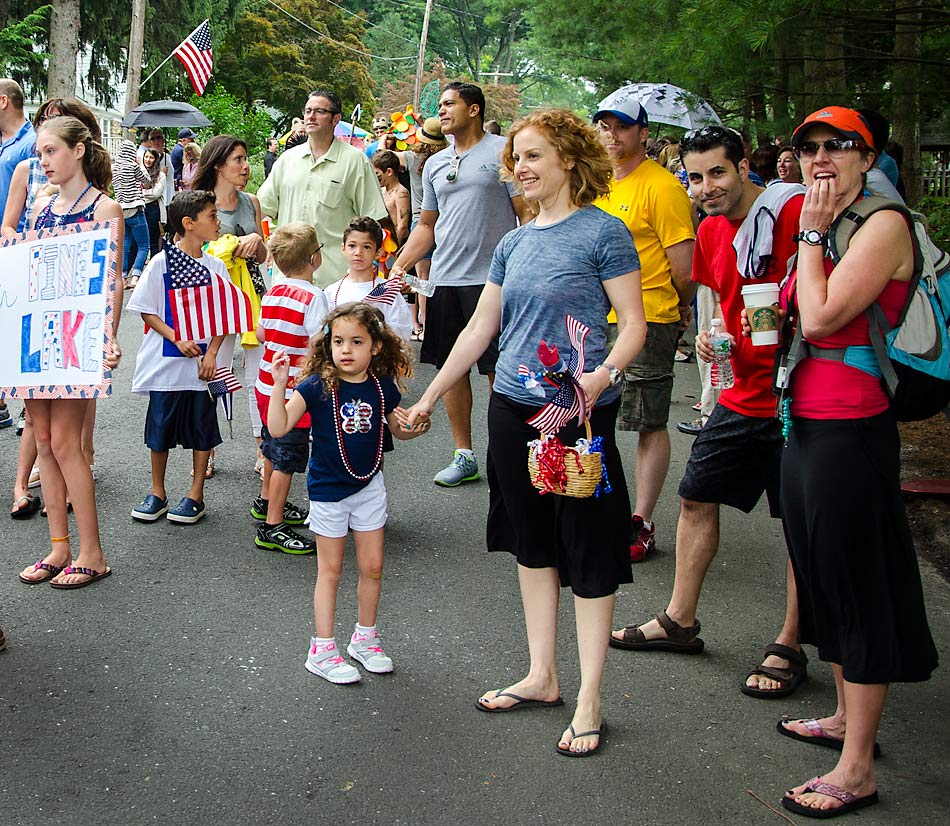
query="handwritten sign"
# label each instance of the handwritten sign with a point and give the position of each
(57, 297)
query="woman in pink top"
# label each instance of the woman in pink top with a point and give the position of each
(859, 586)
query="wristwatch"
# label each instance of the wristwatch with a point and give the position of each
(812, 237)
(613, 372)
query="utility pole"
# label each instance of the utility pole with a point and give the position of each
(133, 73)
(422, 56)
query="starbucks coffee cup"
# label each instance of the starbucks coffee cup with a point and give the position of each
(761, 306)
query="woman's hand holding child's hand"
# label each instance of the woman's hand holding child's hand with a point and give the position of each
(420, 424)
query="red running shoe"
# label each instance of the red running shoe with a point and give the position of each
(642, 541)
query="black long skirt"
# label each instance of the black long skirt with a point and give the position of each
(859, 591)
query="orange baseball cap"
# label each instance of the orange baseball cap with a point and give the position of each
(847, 122)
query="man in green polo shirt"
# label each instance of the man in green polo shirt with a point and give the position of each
(323, 182)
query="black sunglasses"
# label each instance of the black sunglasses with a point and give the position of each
(710, 132)
(836, 147)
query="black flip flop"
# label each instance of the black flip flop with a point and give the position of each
(521, 702)
(574, 735)
(33, 504)
(816, 739)
(94, 576)
(849, 803)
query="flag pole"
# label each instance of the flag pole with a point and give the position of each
(172, 54)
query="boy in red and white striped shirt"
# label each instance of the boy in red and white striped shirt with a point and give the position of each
(291, 313)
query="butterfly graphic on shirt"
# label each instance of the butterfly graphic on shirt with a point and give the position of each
(356, 416)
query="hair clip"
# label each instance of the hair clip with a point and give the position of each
(326, 329)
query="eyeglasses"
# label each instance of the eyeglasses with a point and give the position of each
(453, 175)
(319, 110)
(317, 251)
(835, 147)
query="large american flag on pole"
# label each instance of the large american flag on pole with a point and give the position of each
(195, 53)
(203, 304)
(566, 403)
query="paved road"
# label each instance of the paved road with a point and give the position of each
(175, 693)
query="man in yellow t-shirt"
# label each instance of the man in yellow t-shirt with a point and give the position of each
(656, 209)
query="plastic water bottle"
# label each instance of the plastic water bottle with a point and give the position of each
(720, 371)
(419, 285)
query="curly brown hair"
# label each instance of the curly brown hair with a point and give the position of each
(577, 143)
(394, 359)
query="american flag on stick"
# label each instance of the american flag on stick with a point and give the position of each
(203, 305)
(385, 292)
(567, 402)
(222, 382)
(195, 53)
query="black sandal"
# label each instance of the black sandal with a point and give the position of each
(789, 678)
(678, 639)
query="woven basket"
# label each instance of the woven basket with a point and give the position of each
(583, 471)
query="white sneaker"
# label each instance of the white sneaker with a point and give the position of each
(325, 661)
(368, 652)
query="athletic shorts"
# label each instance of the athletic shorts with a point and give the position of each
(447, 313)
(735, 459)
(648, 380)
(364, 510)
(181, 418)
(290, 453)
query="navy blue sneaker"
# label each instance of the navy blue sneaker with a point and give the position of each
(186, 512)
(150, 509)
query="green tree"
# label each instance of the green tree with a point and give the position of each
(16, 42)
(229, 116)
(270, 57)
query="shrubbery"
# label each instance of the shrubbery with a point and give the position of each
(937, 211)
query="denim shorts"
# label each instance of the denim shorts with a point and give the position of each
(290, 453)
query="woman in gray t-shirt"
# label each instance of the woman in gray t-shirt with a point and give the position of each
(575, 261)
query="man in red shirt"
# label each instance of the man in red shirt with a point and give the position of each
(737, 455)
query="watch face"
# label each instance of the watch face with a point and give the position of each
(813, 236)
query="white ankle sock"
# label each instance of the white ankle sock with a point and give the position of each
(365, 629)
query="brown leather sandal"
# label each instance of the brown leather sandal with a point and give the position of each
(678, 639)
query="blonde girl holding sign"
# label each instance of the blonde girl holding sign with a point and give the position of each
(80, 167)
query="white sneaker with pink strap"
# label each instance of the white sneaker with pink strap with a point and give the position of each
(325, 661)
(366, 648)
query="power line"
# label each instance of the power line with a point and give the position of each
(361, 52)
(369, 23)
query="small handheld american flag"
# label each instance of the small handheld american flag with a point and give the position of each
(385, 292)
(222, 382)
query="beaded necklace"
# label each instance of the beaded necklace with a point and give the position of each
(336, 295)
(60, 220)
(352, 425)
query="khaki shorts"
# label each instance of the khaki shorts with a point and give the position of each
(648, 379)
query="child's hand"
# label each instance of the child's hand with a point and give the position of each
(421, 424)
(206, 367)
(114, 356)
(280, 368)
(188, 348)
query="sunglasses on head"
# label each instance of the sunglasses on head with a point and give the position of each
(836, 147)
(710, 132)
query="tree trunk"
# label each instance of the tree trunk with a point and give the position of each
(63, 48)
(906, 107)
(133, 74)
(4, 13)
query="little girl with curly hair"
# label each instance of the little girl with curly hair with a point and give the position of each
(350, 386)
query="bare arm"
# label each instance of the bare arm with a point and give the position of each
(879, 251)
(282, 417)
(403, 213)
(16, 199)
(109, 210)
(252, 246)
(420, 241)
(680, 257)
(626, 297)
(471, 343)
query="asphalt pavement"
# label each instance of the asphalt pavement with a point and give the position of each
(174, 692)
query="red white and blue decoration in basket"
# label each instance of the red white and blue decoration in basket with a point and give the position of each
(570, 401)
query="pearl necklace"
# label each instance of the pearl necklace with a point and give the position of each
(336, 295)
(337, 426)
(60, 220)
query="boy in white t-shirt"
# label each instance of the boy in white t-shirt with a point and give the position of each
(292, 312)
(362, 240)
(175, 373)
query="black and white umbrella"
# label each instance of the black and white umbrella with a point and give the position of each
(666, 103)
(166, 113)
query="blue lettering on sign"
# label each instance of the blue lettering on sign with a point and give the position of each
(29, 362)
(99, 251)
